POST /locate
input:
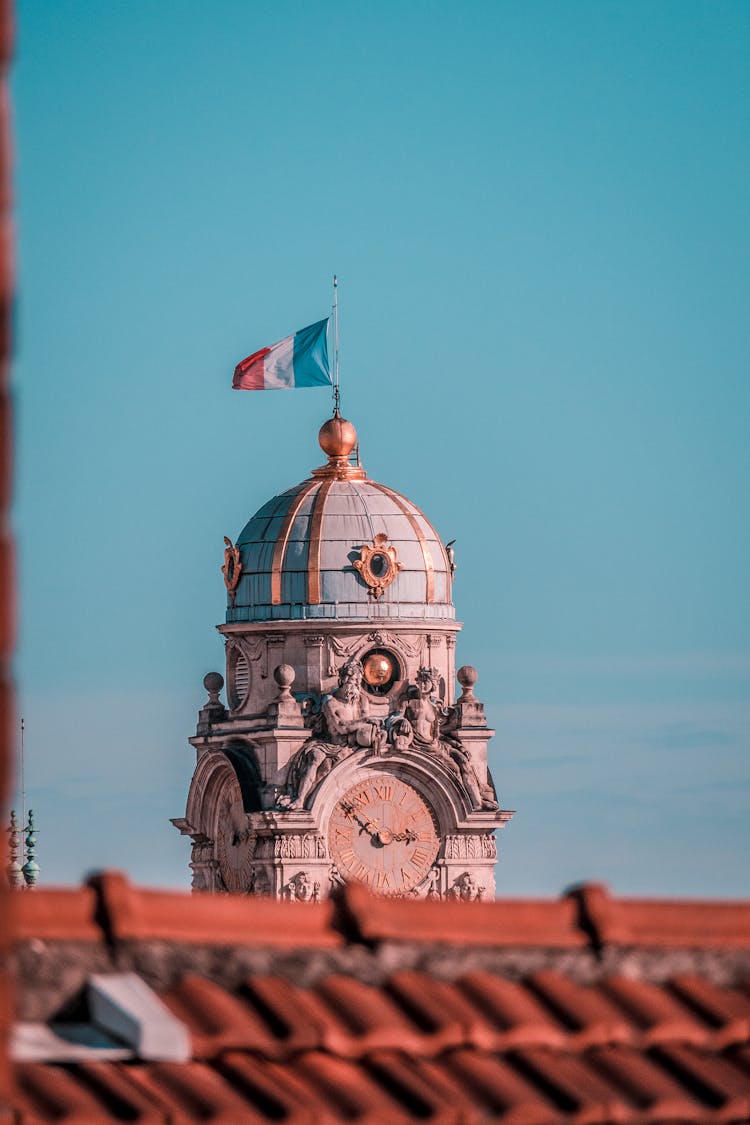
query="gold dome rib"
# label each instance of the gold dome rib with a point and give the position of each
(313, 550)
(279, 550)
(399, 501)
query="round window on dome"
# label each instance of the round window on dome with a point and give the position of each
(380, 671)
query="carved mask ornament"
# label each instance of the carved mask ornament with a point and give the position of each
(378, 565)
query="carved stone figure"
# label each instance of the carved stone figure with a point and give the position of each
(465, 889)
(433, 891)
(345, 725)
(260, 884)
(425, 724)
(301, 889)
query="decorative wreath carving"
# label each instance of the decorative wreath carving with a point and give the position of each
(232, 568)
(378, 565)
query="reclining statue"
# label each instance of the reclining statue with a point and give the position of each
(344, 725)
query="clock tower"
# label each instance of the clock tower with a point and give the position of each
(343, 751)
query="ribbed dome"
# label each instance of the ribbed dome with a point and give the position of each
(298, 554)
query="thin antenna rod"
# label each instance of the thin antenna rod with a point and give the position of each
(336, 394)
(23, 787)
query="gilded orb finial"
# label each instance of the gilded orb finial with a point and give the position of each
(337, 438)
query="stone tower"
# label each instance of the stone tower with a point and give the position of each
(342, 752)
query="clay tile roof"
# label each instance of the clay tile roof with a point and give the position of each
(586, 1011)
(80, 1095)
(132, 913)
(510, 922)
(520, 1019)
(374, 1011)
(672, 923)
(56, 914)
(656, 1012)
(726, 1009)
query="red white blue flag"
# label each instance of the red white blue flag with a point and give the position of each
(300, 360)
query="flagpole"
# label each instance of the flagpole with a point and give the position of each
(336, 395)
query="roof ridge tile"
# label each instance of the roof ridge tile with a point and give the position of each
(128, 913)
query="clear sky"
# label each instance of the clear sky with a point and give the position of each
(539, 214)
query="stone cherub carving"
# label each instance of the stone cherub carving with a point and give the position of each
(423, 723)
(466, 889)
(344, 725)
(301, 889)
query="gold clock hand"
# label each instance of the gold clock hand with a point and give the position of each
(408, 836)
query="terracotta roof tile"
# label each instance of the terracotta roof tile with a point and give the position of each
(506, 922)
(275, 1090)
(583, 1009)
(56, 913)
(358, 1018)
(726, 1009)
(514, 1010)
(218, 1020)
(648, 1087)
(80, 1095)
(711, 1079)
(673, 923)
(498, 1089)
(132, 913)
(282, 1007)
(443, 1013)
(194, 1092)
(659, 1016)
(574, 1086)
(422, 1090)
(376, 1036)
(346, 1091)
(740, 1056)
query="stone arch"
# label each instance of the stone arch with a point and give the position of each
(236, 764)
(244, 759)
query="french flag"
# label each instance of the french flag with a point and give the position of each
(300, 360)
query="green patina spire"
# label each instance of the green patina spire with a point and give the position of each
(31, 867)
(15, 874)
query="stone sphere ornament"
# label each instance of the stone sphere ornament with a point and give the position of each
(467, 676)
(284, 676)
(213, 682)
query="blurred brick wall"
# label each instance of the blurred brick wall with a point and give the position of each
(7, 583)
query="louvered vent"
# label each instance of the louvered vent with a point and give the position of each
(239, 679)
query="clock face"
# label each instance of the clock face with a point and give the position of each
(383, 833)
(234, 843)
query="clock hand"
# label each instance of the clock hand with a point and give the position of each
(370, 826)
(377, 831)
(408, 836)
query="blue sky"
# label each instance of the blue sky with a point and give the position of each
(539, 214)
